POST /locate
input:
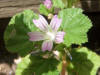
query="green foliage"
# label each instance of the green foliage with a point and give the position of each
(85, 62)
(37, 65)
(76, 26)
(58, 4)
(71, 3)
(43, 10)
(64, 3)
(16, 38)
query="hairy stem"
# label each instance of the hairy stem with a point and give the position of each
(64, 65)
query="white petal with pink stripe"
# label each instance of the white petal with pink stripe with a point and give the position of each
(48, 32)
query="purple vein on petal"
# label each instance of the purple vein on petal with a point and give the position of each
(59, 37)
(38, 24)
(44, 22)
(36, 36)
(47, 45)
(50, 45)
(55, 23)
(41, 23)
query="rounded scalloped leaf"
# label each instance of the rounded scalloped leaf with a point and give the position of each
(85, 62)
(76, 26)
(15, 36)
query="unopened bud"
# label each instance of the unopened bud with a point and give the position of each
(48, 4)
(50, 16)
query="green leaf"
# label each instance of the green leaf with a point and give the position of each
(76, 26)
(43, 10)
(58, 4)
(85, 62)
(37, 65)
(64, 3)
(15, 36)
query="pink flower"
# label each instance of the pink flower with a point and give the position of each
(48, 32)
(48, 4)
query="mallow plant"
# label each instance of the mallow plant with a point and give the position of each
(45, 40)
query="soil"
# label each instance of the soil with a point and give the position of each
(7, 64)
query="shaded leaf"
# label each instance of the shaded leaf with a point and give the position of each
(85, 62)
(15, 36)
(71, 3)
(37, 65)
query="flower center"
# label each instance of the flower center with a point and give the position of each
(50, 35)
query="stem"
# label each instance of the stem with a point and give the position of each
(64, 65)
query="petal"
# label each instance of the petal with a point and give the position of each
(41, 23)
(47, 45)
(36, 36)
(59, 37)
(55, 23)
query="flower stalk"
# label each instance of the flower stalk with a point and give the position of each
(64, 65)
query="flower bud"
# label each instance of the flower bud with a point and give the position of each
(48, 4)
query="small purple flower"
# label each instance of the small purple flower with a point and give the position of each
(48, 32)
(48, 4)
